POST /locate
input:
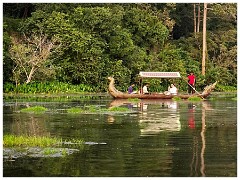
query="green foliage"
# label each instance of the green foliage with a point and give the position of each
(118, 109)
(176, 98)
(95, 109)
(49, 151)
(31, 141)
(134, 100)
(46, 87)
(101, 40)
(10, 140)
(35, 109)
(8, 87)
(222, 88)
(75, 110)
(195, 98)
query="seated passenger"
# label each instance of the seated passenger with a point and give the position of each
(145, 89)
(172, 90)
(130, 89)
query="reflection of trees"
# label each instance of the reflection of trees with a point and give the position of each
(193, 152)
(210, 148)
(29, 124)
(203, 143)
(194, 165)
(196, 145)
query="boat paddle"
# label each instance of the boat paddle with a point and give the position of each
(195, 90)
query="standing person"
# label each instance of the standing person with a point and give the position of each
(191, 83)
(130, 89)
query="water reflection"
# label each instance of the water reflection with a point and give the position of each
(163, 116)
(167, 118)
(28, 124)
(159, 139)
(155, 115)
(110, 119)
(191, 123)
(202, 169)
(191, 118)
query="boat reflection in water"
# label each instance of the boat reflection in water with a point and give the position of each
(154, 121)
(155, 115)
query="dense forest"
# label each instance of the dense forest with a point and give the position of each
(80, 44)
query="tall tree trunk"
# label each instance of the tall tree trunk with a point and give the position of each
(204, 38)
(194, 19)
(199, 14)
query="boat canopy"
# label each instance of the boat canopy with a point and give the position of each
(159, 74)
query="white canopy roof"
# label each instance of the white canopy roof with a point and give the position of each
(159, 74)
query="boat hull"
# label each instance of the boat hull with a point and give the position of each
(120, 95)
(154, 96)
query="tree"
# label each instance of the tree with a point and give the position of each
(30, 54)
(204, 38)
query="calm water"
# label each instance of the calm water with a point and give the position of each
(153, 139)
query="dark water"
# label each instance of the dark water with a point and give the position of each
(154, 139)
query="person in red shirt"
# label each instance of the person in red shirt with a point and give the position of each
(191, 83)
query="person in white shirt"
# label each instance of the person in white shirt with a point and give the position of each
(145, 89)
(172, 90)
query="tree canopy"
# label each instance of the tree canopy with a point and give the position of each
(94, 41)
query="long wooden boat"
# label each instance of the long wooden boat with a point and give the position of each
(120, 95)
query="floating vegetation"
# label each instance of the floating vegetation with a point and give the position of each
(48, 151)
(195, 98)
(37, 141)
(96, 109)
(30, 141)
(20, 146)
(35, 109)
(75, 110)
(176, 98)
(118, 109)
(134, 100)
(10, 154)
(93, 109)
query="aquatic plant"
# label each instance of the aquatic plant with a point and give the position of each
(75, 110)
(92, 108)
(134, 100)
(73, 142)
(224, 88)
(35, 109)
(47, 87)
(12, 140)
(95, 109)
(195, 98)
(64, 152)
(121, 109)
(48, 151)
(176, 98)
